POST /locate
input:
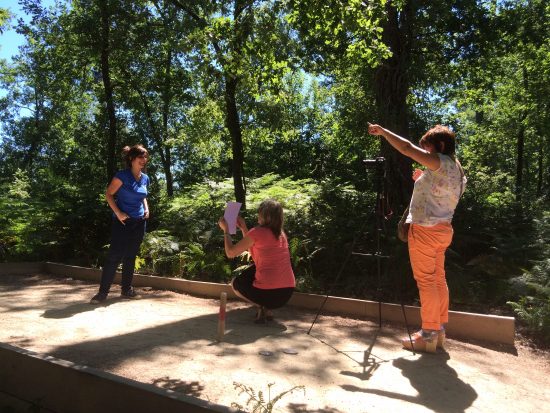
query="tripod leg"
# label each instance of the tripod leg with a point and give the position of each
(379, 313)
(407, 326)
(335, 280)
(317, 315)
(403, 309)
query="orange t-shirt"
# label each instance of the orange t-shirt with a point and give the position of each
(272, 259)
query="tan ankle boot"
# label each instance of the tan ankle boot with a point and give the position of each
(422, 341)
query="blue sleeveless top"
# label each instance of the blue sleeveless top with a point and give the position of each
(130, 196)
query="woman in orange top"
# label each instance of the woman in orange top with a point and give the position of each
(269, 283)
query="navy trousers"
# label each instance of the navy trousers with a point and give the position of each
(125, 242)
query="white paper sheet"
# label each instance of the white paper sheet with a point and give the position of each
(230, 215)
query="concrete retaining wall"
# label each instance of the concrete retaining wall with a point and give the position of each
(198, 288)
(490, 328)
(28, 379)
(17, 268)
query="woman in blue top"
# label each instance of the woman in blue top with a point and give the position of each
(130, 210)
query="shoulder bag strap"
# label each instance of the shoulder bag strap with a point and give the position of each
(461, 176)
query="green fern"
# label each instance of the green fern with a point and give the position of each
(534, 309)
(256, 401)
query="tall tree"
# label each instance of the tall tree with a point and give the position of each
(392, 85)
(104, 40)
(366, 38)
(100, 31)
(157, 84)
(228, 53)
(506, 90)
(402, 44)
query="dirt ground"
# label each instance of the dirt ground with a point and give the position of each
(345, 365)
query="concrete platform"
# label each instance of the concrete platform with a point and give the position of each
(164, 346)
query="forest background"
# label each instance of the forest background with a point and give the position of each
(249, 99)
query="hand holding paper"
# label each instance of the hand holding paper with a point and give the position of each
(230, 215)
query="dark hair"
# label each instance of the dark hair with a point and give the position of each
(129, 153)
(271, 212)
(442, 138)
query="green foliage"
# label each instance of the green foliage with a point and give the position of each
(192, 215)
(15, 207)
(188, 243)
(340, 29)
(489, 191)
(164, 255)
(304, 77)
(192, 219)
(20, 186)
(533, 307)
(489, 250)
(535, 313)
(46, 218)
(160, 253)
(321, 221)
(4, 18)
(201, 264)
(257, 401)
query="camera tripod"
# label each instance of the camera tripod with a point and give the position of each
(378, 165)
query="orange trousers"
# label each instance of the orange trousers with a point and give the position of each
(427, 246)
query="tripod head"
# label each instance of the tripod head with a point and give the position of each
(377, 162)
(378, 166)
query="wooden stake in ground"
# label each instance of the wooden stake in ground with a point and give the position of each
(221, 317)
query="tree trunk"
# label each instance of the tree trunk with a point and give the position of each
(166, 100)
(392, 88)
(157, 135)
(520, 147)
(545, 172)
(233, 125)
(108, 87)
(167, 166)
(240, 33)
(38, 131)
(540, 166)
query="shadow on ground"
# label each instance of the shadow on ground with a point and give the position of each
(302, 408)
(441, 392)
(189, 388)
(77, 308)
(140, 343)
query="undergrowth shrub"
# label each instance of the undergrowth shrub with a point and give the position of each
(320, 221)
(533, 306)
(47, 218)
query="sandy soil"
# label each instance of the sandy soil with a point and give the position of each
(345, 365)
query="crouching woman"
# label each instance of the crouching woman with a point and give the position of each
(270, 282)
